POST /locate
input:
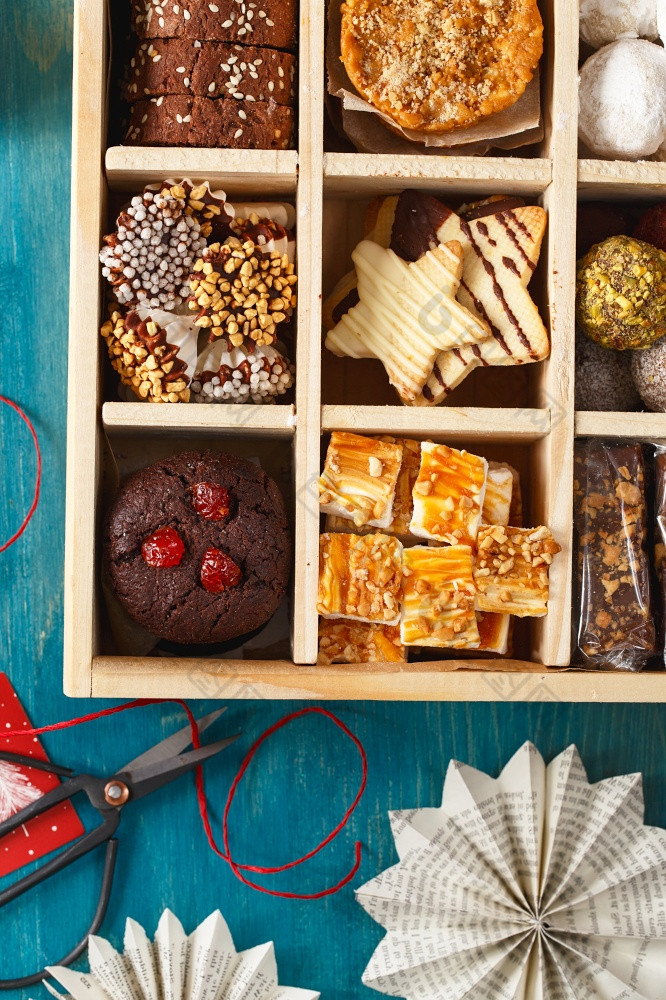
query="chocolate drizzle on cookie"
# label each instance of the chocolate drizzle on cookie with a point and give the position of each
(497, 289)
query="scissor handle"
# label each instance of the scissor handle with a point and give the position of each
(65, 790)
(88, 842)
(39, 765)
(100, 913)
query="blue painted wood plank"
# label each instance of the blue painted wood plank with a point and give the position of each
(300, 784)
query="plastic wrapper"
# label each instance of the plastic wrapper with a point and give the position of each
(612, 623)
(660, 537)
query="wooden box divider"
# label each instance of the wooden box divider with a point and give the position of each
(329, 189)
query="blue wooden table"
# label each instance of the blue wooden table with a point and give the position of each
(299, 786)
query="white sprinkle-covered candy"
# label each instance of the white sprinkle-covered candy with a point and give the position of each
(241, 377)
(160, 240)
(622, 100)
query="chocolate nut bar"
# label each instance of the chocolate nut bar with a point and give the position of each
(613, 627)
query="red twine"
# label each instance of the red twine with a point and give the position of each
(38, 481)
(225, 854)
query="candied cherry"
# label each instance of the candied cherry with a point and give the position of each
(163, 548)
(218, 571)
(210, 500)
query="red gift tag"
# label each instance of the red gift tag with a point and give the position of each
(21, 785)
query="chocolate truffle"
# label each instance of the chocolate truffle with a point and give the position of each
(603, 378)
(649, 371)
(651, 227)
(596, 221)
(197, 547)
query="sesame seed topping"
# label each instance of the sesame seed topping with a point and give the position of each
(238, 133)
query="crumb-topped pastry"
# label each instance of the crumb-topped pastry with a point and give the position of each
(511, 569)
(360, 577)
(359, 478)
(357, 642)
(438, 598)
(435, 65)
(448, 494)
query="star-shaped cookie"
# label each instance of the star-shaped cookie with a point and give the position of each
(407, 313)
(500, 252)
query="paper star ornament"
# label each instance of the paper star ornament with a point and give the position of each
(203, 965)
(536, 885)
(407, 313)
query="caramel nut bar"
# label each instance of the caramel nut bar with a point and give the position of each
(448, 495)
(511, 569)
(615, 626)
(494, 632)
(357, 642)
(359, 479)
(438, 598)
(360, 577)
(499, 491)
(403, 506)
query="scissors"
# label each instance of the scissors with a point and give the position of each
(156, 767)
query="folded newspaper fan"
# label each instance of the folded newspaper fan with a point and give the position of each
(536, 885)
(202, 966)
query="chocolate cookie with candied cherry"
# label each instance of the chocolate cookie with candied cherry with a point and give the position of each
(197, 547)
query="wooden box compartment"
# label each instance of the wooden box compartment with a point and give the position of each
(524, 414)
(355, 382)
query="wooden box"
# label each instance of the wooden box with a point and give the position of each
(329, 190)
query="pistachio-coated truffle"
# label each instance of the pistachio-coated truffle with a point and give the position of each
(621, 293)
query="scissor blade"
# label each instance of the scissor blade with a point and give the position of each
(159, 773)
(172, 745)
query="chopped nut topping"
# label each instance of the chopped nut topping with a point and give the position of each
(358, 642)
(371, 595)
(140, 354)
(513, 582)
(438, 597)
(359, 479)
(448, 494)
(242, 293)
